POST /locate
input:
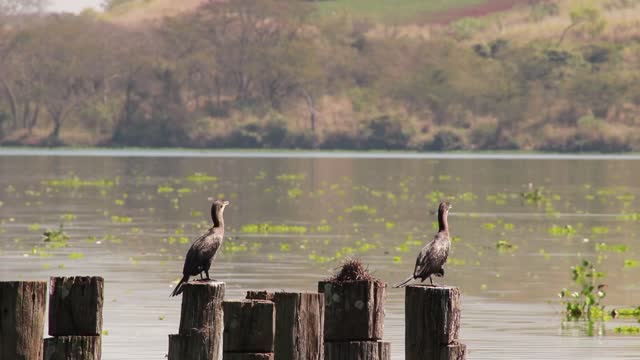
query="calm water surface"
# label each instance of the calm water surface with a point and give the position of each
(132, 215)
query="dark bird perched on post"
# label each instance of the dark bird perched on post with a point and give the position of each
(204, 249)
(434, 255)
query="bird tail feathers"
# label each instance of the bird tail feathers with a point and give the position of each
(178, 289)
(403, 283)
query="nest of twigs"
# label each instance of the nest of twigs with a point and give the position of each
(352, 270)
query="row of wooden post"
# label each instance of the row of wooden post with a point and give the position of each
(344, 321)
(75, 319)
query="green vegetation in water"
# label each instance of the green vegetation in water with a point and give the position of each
(533, 195)
(165, 189)
(121, 219)
(56, 236)
(201, 178)
(267, 228)
(630, 263)
(566, 230)
(584, 303)
(626, 312)
(618, 248)
(76, 256)
(361, 208)
(76, 182)
(291, 177)
(504, 246)
(599, 230)
(489, 226)
(627, 330)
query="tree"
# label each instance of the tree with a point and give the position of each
(19, 7)
(65, 65)
(590, 19)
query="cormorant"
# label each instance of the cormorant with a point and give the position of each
(434, 255)
(204, 249)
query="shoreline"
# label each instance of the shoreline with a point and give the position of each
(304, 154)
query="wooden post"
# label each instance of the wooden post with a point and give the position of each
(239, 356)
(22, 308)
(75, 306)
(354, 320)
(354, 310)
(73, 348)
(299, 325)
(75, 318)
(432, 323)
(249, 329)
(201, 323)
(358, 350)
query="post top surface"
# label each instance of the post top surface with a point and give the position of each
(205, 283)
(432, 287)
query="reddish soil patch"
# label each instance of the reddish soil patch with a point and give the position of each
(492, 6)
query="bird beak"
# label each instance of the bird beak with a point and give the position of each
(225, 203)
(211, 198)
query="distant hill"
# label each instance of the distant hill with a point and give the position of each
(134, 11)
(387, 11)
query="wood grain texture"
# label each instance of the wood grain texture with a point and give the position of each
(354, 310)
(249, 326)
(432, 322)
(22, 311)
(358, 350)
(299, 326)
(202, 307)
(75, 305)
(73, 348)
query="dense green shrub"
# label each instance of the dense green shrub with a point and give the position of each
(445, 140)
(384, 132)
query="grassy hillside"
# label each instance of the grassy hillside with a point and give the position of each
(383, 11)
(394, 11)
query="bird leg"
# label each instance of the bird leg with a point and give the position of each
(430, 280)
(207, 272)
(201, 278)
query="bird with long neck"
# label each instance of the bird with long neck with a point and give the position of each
(204, 249)
(434, 255)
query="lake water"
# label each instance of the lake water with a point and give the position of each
(131, 216)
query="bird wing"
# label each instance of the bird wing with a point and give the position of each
(193, 259)
(432, 256)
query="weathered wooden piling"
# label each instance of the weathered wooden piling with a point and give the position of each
(201, 323)
(299, 325)
(22, 309)
(354, 320)
(432, 323)
(354, 310)
(73, 348)
(75, 305)
(357, 350)
(249, 329)
(75, 318)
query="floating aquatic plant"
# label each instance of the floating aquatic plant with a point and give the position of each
(584, 303)
(201, 178)
(57, 236)
(619, 248)
(566, 230)
(627, 329)
(505, 246)
(629, 263)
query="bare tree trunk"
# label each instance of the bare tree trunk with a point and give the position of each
(312, 110)
(565, 31)
(12, 102)
(34, 119)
